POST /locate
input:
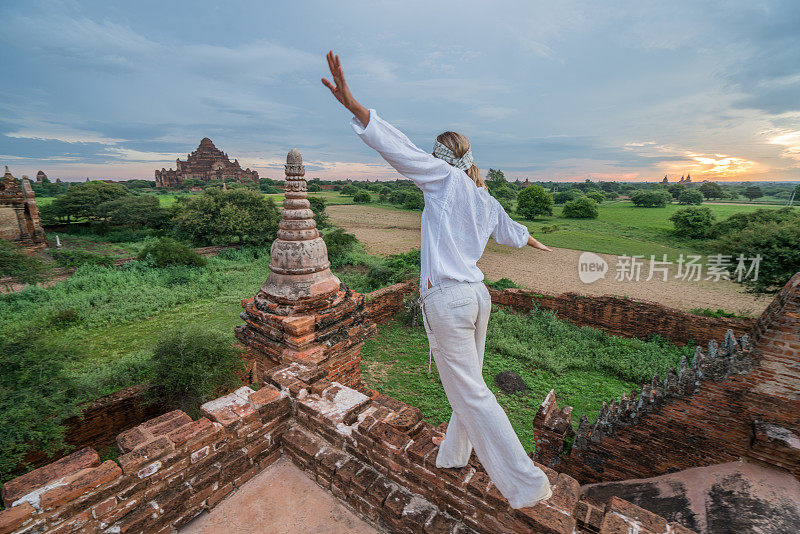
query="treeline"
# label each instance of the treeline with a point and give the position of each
(215, 217)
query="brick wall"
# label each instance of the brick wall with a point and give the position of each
(375, 455)
(383, 304)
(736, 399)
(100, 421)
(625, 317)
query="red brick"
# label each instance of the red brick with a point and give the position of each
(164, 424)
(546, 520)
(80, 483)
(145, 454)
(13, 518)
(648, 519)
(69, 465)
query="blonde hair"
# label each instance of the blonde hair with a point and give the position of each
(459, 144)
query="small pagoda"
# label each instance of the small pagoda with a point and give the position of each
(19, 215)
(303, 312)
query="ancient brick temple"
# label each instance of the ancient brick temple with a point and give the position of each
(206, 163)
(19, 216)
(303, 312)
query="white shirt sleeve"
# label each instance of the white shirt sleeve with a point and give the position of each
(507, 231)
(428, 172)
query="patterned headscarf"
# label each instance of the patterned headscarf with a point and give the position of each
(444, 153)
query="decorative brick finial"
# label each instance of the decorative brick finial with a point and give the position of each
(299, 266)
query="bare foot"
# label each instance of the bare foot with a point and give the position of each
(437, 440)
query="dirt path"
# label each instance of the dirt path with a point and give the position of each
(393, 231)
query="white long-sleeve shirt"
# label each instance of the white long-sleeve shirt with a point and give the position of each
(458, 217)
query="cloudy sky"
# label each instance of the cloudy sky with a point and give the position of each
(548, 90)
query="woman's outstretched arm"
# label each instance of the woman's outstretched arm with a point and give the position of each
(426, 171)
(342, 92)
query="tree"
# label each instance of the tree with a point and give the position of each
(676, 189)
(349, 190)
(775, 242)
(134, 212)
(318, 205)
(219, 217)
(580, 208)
(690, 196)
(495, 177)
(362, 197)
(314, 188)
(82, 200)
(753, 192)
(597, 196)
(712, 190)
(414, 201)
(533, 201)
(694, 222)
(650, 199)
(562, 197)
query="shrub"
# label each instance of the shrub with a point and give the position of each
(339, 243)
(740, 221)
(78, 258)
(650, 199)
(690, 196)
(414, 201)
(35, 398)
(65, 317)
(562, 197)
(503, 283)
(533, 201)
(318, 206)
(398, 196)
(362, 197)
(167, 251)
(191, 365)
(776, 242)
(694, 222)
(597, 196)
(393, 269)
(219, 217)
(18, 265)
(580, 208)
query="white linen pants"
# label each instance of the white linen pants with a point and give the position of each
(456, 315)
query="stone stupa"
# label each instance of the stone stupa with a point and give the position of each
(303, 312)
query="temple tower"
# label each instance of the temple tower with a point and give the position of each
(303, 312)
(19, 216)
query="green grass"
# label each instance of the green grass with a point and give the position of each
(623, 228)
(121, 312)
(585, 366)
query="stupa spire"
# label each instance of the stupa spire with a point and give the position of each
(299, 266)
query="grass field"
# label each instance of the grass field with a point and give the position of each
(585, 366)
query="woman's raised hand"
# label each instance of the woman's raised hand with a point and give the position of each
(341, 91)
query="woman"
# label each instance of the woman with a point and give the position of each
(458, 219)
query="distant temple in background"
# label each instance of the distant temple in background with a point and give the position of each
(19, 216)
(686, 180)
(206, 163)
